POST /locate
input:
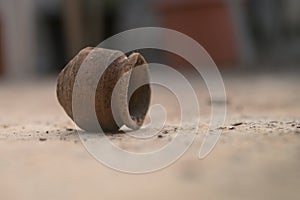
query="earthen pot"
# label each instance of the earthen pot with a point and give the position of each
(131, 102)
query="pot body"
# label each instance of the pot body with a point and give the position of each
(101, 70)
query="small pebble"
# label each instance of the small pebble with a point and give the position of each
(298, 126)
(166, 132)
(70, 129)
(231, 127)
(47, 132)
(43, 139)
(237, 124)
(160, 136)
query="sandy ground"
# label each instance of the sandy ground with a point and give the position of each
(42, 156)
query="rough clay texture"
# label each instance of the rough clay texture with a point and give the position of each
(90, 61)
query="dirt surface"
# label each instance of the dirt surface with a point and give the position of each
(257, 156)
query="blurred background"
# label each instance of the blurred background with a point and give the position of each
(255, 44)
(38, 37)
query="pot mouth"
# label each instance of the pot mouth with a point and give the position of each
(139, 91)
(137, 94)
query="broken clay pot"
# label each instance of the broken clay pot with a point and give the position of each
(94, 79)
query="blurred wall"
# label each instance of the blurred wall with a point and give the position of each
(41, 36)
(208, 22)
(18, 37)
(1, 48)
(275, 28)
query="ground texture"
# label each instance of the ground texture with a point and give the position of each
(257, 156)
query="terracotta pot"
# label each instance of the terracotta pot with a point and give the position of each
(126, 112)
(206, 21)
